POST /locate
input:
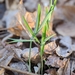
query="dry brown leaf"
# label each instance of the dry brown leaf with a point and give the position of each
(73, 68)
(31, 18)
(63, 52)
(51, 72)
(65, 47)
(67, 68)
(50, 48)
(5, 58)
(19, 66)
(35, 56)
(55, 61)
(67, 14)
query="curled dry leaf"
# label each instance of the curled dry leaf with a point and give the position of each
(63, 52)
(25, 52)
(55, 61)
(35, 56)
(65, 47)
(50, 48)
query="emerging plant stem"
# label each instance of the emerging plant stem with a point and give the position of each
(30, 56)
(41, 54)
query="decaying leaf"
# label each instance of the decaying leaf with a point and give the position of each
(73, 68)
(25, 52)
(60, 71)
(51, 72)
(31, 18)
(35, 56)
(2, 71)
(67, 69)
(19, 66)
(55, 61)
(50, 48)
(18, 52)
(65, 47)
(63, 52)
(5, 58)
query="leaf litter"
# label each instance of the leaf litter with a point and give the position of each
(57, 53)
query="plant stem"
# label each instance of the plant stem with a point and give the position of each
(41, 54)
(41, 65)
(30, 56)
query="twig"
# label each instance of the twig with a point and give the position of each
(16, 70)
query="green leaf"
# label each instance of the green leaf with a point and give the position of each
(55, 1)
(36, 39)
(38, 19)
(18, 40)
(49, 37)
(30, 30)
(46, 18)
(47, 23)
(42, 40)
(51, 3)
(27, 26)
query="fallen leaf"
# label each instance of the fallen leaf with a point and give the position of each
(65, 47)
(67, 68)
(5, 59)
(51, 72)
(73, 68)
(55, 61)
(50, 48)
(67, 14)
(20, 66)
(35, 56)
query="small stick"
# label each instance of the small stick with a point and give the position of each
(16, 70)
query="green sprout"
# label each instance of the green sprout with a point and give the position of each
(45, 26)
